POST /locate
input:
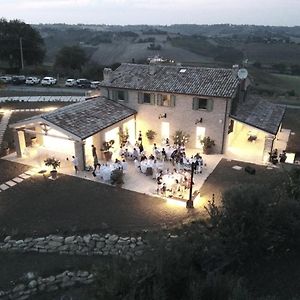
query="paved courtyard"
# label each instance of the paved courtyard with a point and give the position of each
(134, 180)
(31, 203)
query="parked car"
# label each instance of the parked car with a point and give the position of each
(70, 82)
(48, 81)
(83, 83)
(32, 80)
(6, 79)
(18, 79)
(95, 84)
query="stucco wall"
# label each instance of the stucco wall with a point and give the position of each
(181, 117)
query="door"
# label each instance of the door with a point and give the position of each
(200, 134)
(165, 130)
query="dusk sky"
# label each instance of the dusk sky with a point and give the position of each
(165, 12)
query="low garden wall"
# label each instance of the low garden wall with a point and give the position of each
(34, 285)
(90, 244)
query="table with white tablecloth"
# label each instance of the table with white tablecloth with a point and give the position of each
(145, 164)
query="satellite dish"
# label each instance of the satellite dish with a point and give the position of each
(242, 74)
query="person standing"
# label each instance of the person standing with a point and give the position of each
(94, 151)
(140, 138)
(75, 163)
(95, 157)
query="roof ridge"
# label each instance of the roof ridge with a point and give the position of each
(177, 67)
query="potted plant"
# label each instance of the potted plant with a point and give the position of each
(123, 136)
(116, 177)
(5, 148)
(55, 163)
(106, 146)
(150, 135)
(208, 144)
(181, 138)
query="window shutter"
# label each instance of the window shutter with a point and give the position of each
(115, 95)
(152, 98)
(140, 97)
(126, 96)
(195, 103)
(159, 99)
(173, 99)
(210, 104)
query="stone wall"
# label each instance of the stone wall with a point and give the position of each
(90, 244)
(34, 284)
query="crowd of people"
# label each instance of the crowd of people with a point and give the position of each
(274, 158)
(169, 166)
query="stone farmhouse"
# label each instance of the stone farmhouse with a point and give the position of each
(200, 101)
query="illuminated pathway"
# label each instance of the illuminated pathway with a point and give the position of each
(10, 183)
(3, 124)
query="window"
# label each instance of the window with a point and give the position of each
(147, 98)
(202, 104)
(166, 100)
(120, 95)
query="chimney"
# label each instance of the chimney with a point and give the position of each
(152, 68)
(107, 74)
(235, 69)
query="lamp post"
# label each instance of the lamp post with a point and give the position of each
(190, 203)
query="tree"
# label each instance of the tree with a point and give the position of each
(16, 36)
(295, 69)
(71, 57)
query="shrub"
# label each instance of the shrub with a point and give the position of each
(150, 134)
(117, 177)
(51, 161)
(181, 138)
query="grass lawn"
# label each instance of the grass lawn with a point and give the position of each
(10, 171)
(274, 85)
(224, 177)
(289, 82)
(39, 206)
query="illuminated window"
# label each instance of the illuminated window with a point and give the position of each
(166, 100)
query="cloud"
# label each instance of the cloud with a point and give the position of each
(37, 4)
(268, 12)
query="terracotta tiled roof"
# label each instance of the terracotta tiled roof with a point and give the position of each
(260, 114)
(86, 118)
(198, 81)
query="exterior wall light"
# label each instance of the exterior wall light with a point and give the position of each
(162, 116)
(198, 121)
